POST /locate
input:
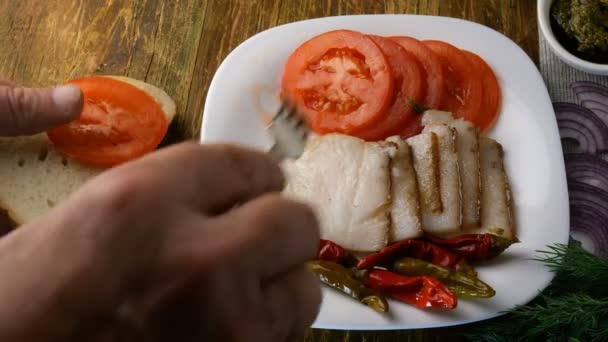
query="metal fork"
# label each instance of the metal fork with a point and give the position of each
(290, 132)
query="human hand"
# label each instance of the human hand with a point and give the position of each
(25, 111)
(150, 251)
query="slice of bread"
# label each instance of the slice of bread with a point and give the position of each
(34, 176)
(405, 208)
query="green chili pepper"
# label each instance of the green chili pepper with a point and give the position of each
(340, 278)
(462, 284)
(499, 244)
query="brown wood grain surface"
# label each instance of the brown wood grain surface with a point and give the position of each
(179, 44)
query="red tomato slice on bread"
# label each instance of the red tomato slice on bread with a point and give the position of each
(408, 89)
(462, 80)
(340, 80)
(433, 70)
(491, 92)
(119, 122)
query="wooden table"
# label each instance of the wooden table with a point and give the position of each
(179, 44)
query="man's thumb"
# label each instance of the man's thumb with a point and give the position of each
(25, 111)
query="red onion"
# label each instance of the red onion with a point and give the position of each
(582, 125)
(587, 124)
(592, 96)
(587, 169)
(589, 214)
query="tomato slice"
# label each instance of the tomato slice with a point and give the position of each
(119, 122)
(432, 68)
(463, 81)
(413, 128)
(491, 92)
(407, 81)
(340, 80)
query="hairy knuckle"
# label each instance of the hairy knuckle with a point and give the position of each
(247, 164)
(13, 99)
(271, 213)
(276, 213)
(307, 217)
(123, 190)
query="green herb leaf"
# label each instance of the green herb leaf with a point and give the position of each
(573, 308)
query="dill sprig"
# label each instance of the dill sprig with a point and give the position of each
(576, 270)
(573, 308)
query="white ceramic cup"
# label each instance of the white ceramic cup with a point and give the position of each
(543, 12)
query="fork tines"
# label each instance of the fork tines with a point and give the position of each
(290, 132)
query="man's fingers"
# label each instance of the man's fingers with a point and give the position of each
(7, 83)
(292, 301)
(28, 110)
(214, 178)
(276, 234)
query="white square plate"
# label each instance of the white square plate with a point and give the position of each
(244, 92)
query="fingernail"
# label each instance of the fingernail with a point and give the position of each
(68, 100)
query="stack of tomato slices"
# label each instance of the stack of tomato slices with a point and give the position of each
(374, 87)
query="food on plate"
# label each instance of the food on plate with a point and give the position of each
(341, 279)
(425, 156)
(341, 80)
(432, 67)
(467, 148)
(463, 81)
(474, 246)
(582, 28)
(448, 220)
(330, 251)
(373, 197)
(39, 173)
(405, 208)
(347, 181)
(464, 285)
(364, 192)
(490, 103)
(422, 291)
(416, 272)
(373, 87)
(418, 249)
(495, 192)
(407, 89)
(404, 187)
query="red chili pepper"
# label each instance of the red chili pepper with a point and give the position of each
(418, 249)
(423, 291)
(330, 251)
(474, 246)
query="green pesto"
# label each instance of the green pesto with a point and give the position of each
(581, 26)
